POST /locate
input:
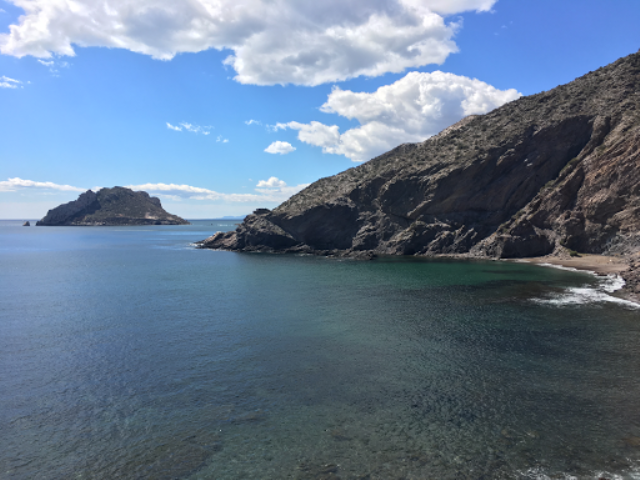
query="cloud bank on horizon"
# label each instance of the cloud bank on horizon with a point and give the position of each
(14, 184)
(271, 190)
(271, 42)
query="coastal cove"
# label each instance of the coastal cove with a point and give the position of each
(135, 355)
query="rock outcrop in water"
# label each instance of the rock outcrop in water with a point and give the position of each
(556, 170)
(111, 206)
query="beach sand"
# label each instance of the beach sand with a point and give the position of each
(627, 267)
(600, 264)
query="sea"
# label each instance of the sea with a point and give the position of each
(127, 353)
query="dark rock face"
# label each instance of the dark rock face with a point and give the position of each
(556, 169)
(26, 224)
(111, 206)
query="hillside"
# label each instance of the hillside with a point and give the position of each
(111, 206)
(553, 171)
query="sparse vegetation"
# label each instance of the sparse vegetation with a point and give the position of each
(549, 185)
(569, 166)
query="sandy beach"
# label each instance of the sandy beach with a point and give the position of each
(626, 267)
(600, 264)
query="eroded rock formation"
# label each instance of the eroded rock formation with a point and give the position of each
(560, 169)
(111, 206)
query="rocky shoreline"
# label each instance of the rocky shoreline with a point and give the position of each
(554, 176)
(626, 267)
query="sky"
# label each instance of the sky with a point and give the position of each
(219, 107)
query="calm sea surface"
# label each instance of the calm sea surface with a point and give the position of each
(125, 353)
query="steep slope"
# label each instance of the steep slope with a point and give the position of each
(560, 168)
(111, 206)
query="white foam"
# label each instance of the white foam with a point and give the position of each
(584, 295)
(568, 269)
(537, 473)
(611, 283)
(588, 294)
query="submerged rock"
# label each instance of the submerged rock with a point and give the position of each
(111, 206)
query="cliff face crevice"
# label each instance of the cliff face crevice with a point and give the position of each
(553, 170)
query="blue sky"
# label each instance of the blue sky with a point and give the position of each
(223, 106)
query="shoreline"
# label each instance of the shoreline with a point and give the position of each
(602, 265)
(598, 264)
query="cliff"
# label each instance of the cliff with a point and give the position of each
(557, 170)
(111, 206)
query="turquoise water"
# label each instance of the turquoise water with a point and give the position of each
(126, 353)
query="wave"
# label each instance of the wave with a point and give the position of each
(539, 473)
(599, 293)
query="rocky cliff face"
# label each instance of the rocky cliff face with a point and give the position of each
(553, 170)
(111, 206)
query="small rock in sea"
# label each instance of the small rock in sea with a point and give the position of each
(632, 441)
(26, 224)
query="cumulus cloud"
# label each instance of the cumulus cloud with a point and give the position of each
(271, 41)
(278, 188)
(14, 184)
(253, 122)
(412, 109)
(273, 182)
(188, 127)
(280, 147)
(6, 82)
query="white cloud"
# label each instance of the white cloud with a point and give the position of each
(272, 190)
(280, 147)
(189, 127)
(13, 184)
(6, 82)
(273, 182)
(253, 122)
(412, 109)
(449, 7)
(221, 139)
(54, 66)
(271, 41)
(278, 188)
(269, 191)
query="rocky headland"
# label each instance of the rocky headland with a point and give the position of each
(557, 173)
(111, 206)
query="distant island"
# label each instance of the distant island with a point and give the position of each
(556, 173)
(117, 206)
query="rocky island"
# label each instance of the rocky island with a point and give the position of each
(553, 173)
(115, 206)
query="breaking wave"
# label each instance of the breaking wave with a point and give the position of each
(599, 293)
